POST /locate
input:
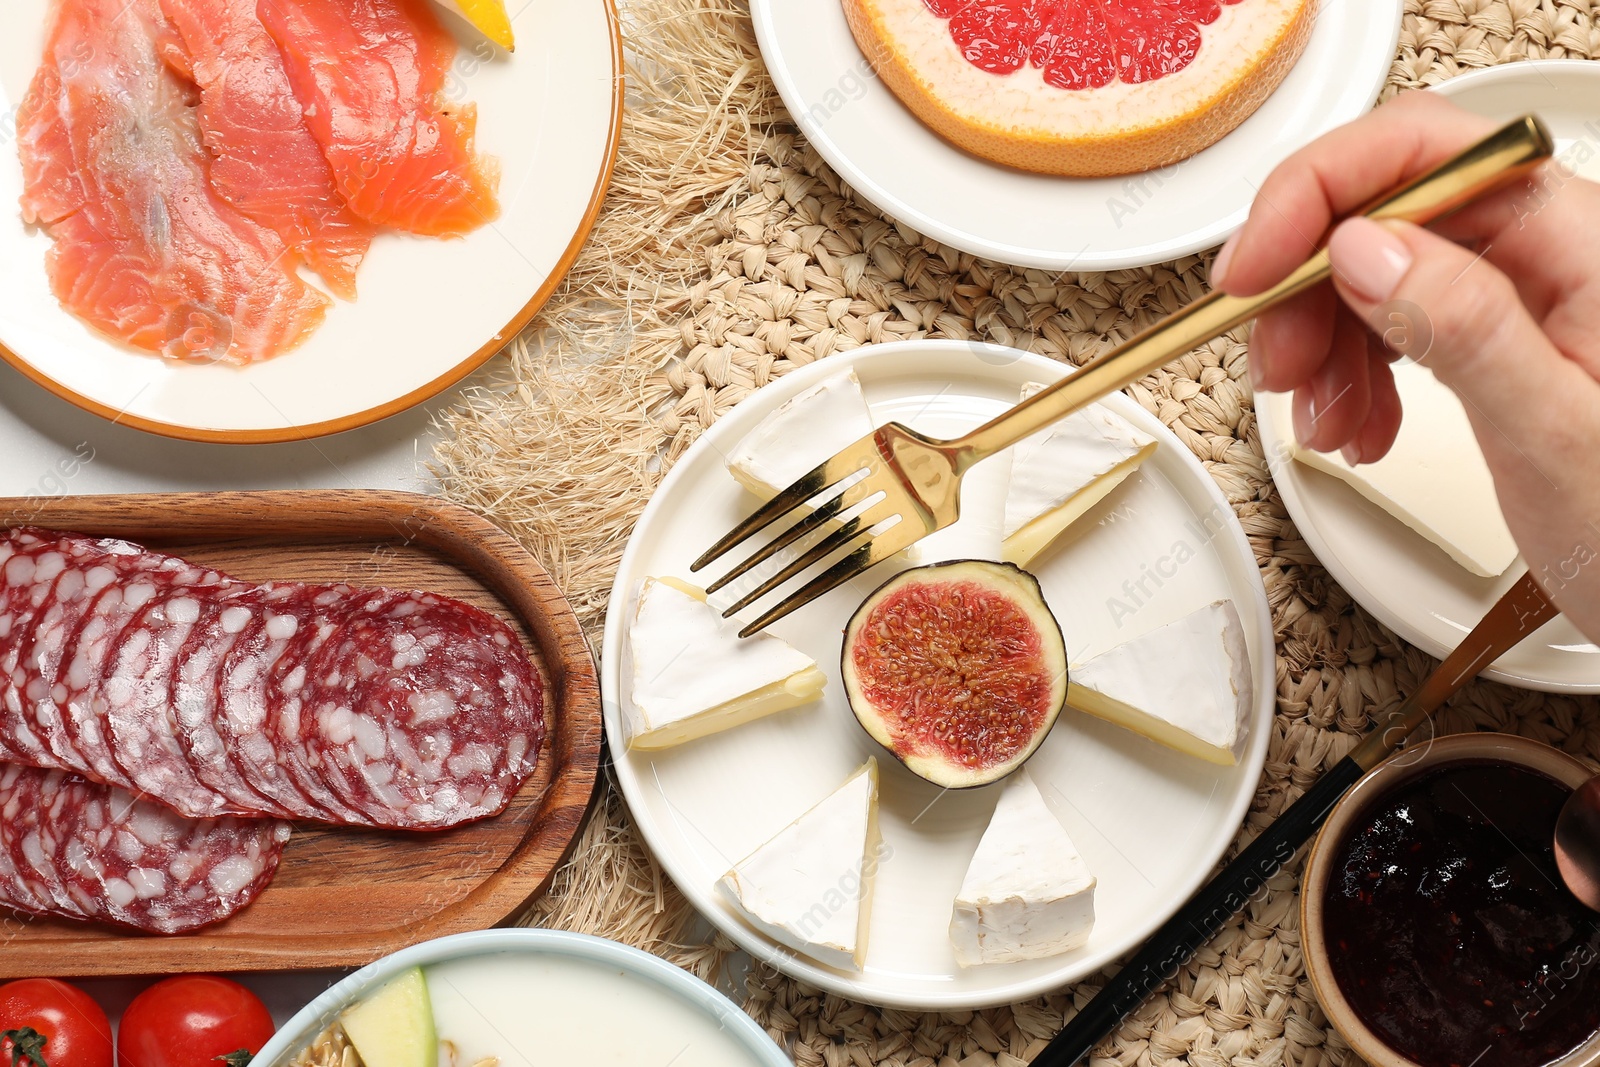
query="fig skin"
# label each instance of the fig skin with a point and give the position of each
(1023, 590)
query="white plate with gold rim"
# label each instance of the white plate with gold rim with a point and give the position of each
(1036, 220)
(1405, 581)
(1150, 822)
(429, 311)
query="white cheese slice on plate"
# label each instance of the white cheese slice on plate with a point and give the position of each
(1434, 479)
(810, 887)
(1058, 474)
(1028, 893)
(1185, 685)
(802, 433)
(694, 675)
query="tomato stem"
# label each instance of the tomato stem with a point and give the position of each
(238, 1058)
(26, 1044)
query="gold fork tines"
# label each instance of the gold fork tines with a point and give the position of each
(895, 486)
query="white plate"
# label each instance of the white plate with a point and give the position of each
(547, 996)
(890, 158)
(1405, 581)
(1150, 822)
(430, 311)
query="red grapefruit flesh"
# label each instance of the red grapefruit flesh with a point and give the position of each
(958, 669)
(1082, 87)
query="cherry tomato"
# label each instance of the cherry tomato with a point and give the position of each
(46, 1023)
(192, 1021)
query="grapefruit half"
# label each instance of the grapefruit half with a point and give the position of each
(1082, 87)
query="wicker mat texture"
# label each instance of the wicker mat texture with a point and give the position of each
(729, 254)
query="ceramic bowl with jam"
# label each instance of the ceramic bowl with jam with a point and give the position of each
(1436, 929)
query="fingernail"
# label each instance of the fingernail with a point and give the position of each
(1255, 360)
(1219, 266)
(1351, 453)
(1369, 258)
(1257, 368)
(1305, 416)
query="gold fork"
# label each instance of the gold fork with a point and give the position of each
(896, 486)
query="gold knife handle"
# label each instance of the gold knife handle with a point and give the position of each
(1500, 158)
(1521, 610)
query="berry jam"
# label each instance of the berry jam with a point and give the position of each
(1449, 929)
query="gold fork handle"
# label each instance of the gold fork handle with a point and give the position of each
(1505, 155)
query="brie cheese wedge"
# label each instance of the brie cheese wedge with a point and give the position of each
(803, 432)
(1434, 479)
(1058, 474)
(694, 675)
(1185, 685)
(810, 887)
(1028, 893)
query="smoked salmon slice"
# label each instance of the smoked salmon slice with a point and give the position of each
(114, 168)
(264, 160)
(370, 78)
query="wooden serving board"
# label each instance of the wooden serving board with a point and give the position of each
(343, 897)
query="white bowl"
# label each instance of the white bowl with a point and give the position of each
(624, 966)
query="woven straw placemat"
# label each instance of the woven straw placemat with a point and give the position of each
(729, 254)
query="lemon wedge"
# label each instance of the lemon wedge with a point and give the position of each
(489, 16)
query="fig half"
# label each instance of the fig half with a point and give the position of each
(958, 669)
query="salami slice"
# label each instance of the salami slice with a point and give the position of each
(139, 717)
(92, 565)
(10, 631)
(21, 888)
(330, 609)
(197, 699)
(44, 699)
(242, 723)
(106, 585)
(425, 712)
(30, 579)
(135, 863)
(40, 842)
(15, 892)
(91, 657)
(214, 696)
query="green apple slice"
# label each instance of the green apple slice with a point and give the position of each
(394, 1026)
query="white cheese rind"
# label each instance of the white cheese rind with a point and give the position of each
(1027, 893)
(803, 432)
(1185, 685)
(1058, 474)
(810, 886)
(694, 675)
(1434, 478)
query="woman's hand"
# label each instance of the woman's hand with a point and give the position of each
(1501, 301)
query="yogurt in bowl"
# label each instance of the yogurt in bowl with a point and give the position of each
(527, 997)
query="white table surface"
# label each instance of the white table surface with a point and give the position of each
(50, 448)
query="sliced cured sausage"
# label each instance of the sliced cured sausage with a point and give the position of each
(138, 712)
(98, 853)
(425, 712)
(215, 696)
(197, 701)
(331, 607)
(245, 704)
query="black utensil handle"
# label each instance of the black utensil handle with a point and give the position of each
(1207, 912)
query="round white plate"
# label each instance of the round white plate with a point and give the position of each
(430, 311)
(890, 158)
(1150, 822)
(547, 996)
(1406, 582)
